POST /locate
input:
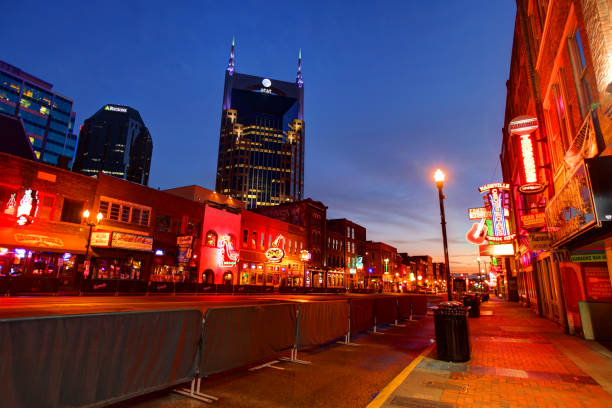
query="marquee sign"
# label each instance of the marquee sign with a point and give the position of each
(275, 253)
(483, 212)
(523, 127)
(500, 186)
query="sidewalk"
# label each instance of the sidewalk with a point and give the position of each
(518, 360)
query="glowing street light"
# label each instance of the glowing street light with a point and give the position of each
(439, 179)
(91, 224)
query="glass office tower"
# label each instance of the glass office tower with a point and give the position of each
(115, 141)
(47, 116)
(261, 144)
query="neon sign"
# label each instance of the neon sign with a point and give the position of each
(28, 207)
(528, 159)
(487, 187)
(305, 255)
(359, 263)
(496, 198)
(275, 253)
(227, 256)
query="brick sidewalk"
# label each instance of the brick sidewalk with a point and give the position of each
(518, 360)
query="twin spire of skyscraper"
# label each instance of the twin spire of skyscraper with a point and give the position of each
(230, 65)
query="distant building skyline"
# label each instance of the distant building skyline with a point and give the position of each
(47, 116)
(261, 141)
(115, 141)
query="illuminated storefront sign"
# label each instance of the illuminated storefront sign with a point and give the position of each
(112, 108)
(39, 240)
(305, 255)
(483, 212)
(352, 271)
(359, 263)
(227, 255)
(534, 220)
(496, 250)
(131, 241)
(100, 239)
(523, 127)
(184, 241)
(28, 207)
(496, 199)
(275, 253)
(499, 186)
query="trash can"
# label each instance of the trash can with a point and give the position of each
(452, 339)
(472, 303)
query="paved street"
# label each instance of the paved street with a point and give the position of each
(518, 360)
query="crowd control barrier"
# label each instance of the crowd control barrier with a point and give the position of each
(96, 359)
(362, 314)
(385, 309)
(404, 307)
(419, 304)
(321, 322)
(240, 335)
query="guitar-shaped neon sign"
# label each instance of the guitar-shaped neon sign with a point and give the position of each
(275, 253)
(478, 233)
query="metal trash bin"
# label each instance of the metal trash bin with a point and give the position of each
(472, 303)
(452, 338)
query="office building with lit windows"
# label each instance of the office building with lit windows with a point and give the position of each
(261, 144)
(115, 141)
(47, 116)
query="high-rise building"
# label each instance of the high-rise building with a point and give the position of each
(47, 116)
(261, 144)
(115, 141)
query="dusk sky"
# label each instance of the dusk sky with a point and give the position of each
(393, 90)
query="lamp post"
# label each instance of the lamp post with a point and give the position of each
(386, 260)
(91, 224)
(439, 179)
(479, 272)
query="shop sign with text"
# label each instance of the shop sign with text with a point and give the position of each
(100, 239)
(590, 257)
(534, 220)
(131, 241)
(539, 241)
(184, 241)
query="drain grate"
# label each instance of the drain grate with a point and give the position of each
(419, 403)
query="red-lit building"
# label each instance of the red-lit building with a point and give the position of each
(556, 156)
(271, 253)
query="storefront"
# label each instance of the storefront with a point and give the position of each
(119, 256)
(30, 257)
(175, 263)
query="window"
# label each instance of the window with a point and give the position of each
(163, 223)
(578, 63)
(352, 233)
(211, 239)
(254, 240)
(136, 212)
(245, 236)
(127, 212)
(72, 211)
(263, 238)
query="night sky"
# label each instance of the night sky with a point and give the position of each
(393, 90)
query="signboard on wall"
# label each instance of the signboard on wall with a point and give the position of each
(588, 257)
(100, 239)
(534, 220)
(597, 284)
(539, 241)
(184, 241)
(131, 241)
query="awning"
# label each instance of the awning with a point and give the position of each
(42, 240)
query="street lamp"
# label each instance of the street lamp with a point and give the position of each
(439, 179)
(91, 224)
(479, 270)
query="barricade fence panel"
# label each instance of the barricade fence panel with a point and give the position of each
(322, 322)
(240, 335)
(96, 359)
(362, 314)
(403, 307)
(419, 304)
(385, 309)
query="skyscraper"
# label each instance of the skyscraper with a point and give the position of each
(261, 144)
(47, 116)
(115, 141)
